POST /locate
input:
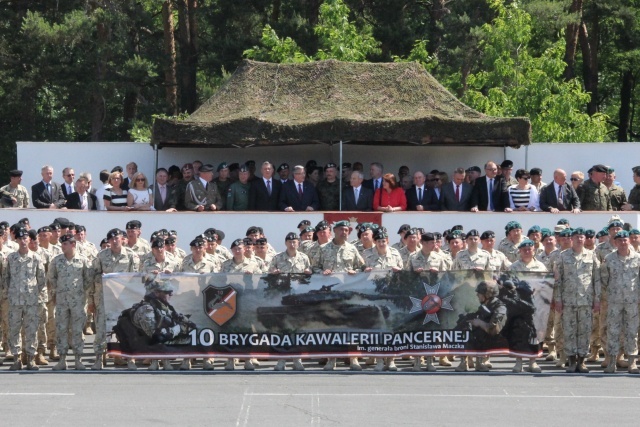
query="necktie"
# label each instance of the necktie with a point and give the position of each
(375, 184)
(457, 193)
(300, 190)
(49, 190)
(420, 194)
(269, 186)
(84, 202)
(560, 201)
(491, 207)
(163, 193)
(355, 194)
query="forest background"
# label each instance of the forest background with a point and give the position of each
(101, 70)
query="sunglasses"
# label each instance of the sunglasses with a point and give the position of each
(140, 180)
(575, 179)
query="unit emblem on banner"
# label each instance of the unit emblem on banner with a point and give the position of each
(220, 303)
(431, 304)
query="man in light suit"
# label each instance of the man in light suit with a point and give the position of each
(456, 195)
(264, 193)
(47, 194)
(82, 199)
(364, 201)
(298, 195)
(420, 197)
(484, 200)
(164, 196)
(559, 191)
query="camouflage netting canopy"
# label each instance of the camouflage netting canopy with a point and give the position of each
(266, 104)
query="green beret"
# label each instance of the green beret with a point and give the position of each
(615, 223)
(534, 229)
(566, 232)
(546, 233)
(578, 231)
(380, 235)
(590, 233)
(634, 231)
(622, 235)
(343, 223)
(526, 243)
(512, 225)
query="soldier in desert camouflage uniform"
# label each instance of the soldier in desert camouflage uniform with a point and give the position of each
(159, 262)
(509, 245)
(620, 274)
(412, 244)
(197, 262)
(497, 260)
(578, 293)
(70, 277)
(472, 258)
(383, 257)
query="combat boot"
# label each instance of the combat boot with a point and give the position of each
(379, 364)
(391, 364)
(17, 365)
(330, 365)
(486, 360)
(611, 365)
(119, 361)
(230, 365)
(582, 368)
(87, 330)
(464, 365)
(39, 359)
(249, 366)
(444, 361)
(255, 362)
(131, 365)
(430, 366)
(78, 365)
(471, 362)
(417, 364)
(633, 368)
(280, 365)
(370, 361)
(8, 357)
(23, 357)
(155, 365)
(594, 354)
(207, 364)
(99, 364)
(562, 358)
(606, 360)
(166, 365)
(53, 353)
(185, 365)
(61, 365)
(572, 366)
(31, 364)
(621, 362)
(552, 353)
(297, 365)
(517, 368)
(355, 365)
(481, 367)
(533, 366)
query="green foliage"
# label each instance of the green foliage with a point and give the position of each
(515, 83)
(420, 55)
(275, 49)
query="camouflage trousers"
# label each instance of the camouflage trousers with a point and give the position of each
(27, 316)
(70, 321)
(594, 339)
(602, 330)
(100, 340)
(51, 324)
(4, 320)
(554, 333)
(622, 324)
(42, 325)
(576, 325)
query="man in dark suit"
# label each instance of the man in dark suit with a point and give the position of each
(559, 195)
(489, 192)
(164, 196)
(298, 194)
(375, 170)
(264, 193)
(456, 195)
(82, 199)
(419, 197)
(68, 175)
(364, 201)
(47, 194)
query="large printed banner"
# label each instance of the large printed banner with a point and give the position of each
(285, 316)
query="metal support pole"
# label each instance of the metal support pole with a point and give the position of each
(340, 177)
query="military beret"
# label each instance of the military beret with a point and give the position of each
(526, 243)
(207, 168)
(601, 233)
(291, 236)
(428, 237)
(622, 235)
(380, 235)
(304, 223)
(252, 230)
(534, 229)
(507, 164)
(634, 231)
(615, 224)
(512, 225)
(80, 228)
(163, 232)
(487, 235)
(473, 233)
(636, 170)
(282, 167)
(21, 232)
(72, 225)
(64, 222)
(157, 244)
(558, 228)
(15, 173)
(403, 228)
(170, 240)
(343, 223)
(474, 169)
(566, 232)
(134, 225)
(247, 241)
(33, 234)
(457, 228)
(206, 237)
(67, 238)
(545, 233)
(187, 166)
(114, 232)
(123, 233)
(578, 231)
(322, 225)
(589, 233)
(45, 229)
(243, 168)
(330, 165)
(535, 171)
(2, 231)
(411, 232)
(104, 242)
(220, 234)
(307, 229)
(222, 166)
(600, 168)
(610, 169)
(234, 167)
(261, 241)
(197, 242)
(54, 226)
(457, 234)
(437, 235)
(346, 165)
(563, 221)
(173, 233)
(421, 230)
(237, 242)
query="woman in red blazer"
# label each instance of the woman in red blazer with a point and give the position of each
(389, 198)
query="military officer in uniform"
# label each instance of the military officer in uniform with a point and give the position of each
(238, 194)
(14, 195)
(329, 189)
(202, 194)
(509, 245)
(593, 194)
(633, 202)
(70, 277)
(472, 258)
(616, 193)
(497, 260)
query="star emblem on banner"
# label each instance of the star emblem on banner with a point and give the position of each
(431, 304)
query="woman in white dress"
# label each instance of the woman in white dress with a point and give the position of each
(139, 195)
(523, 196)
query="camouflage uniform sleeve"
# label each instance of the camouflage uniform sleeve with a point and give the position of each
(134, 262)
(604, 277)
(3, 279)
(87, 275)
(145, 319)
(560, 279)
(358, 262)
(498, 320)
(597, 281)
(40, 274)
(52, 278)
